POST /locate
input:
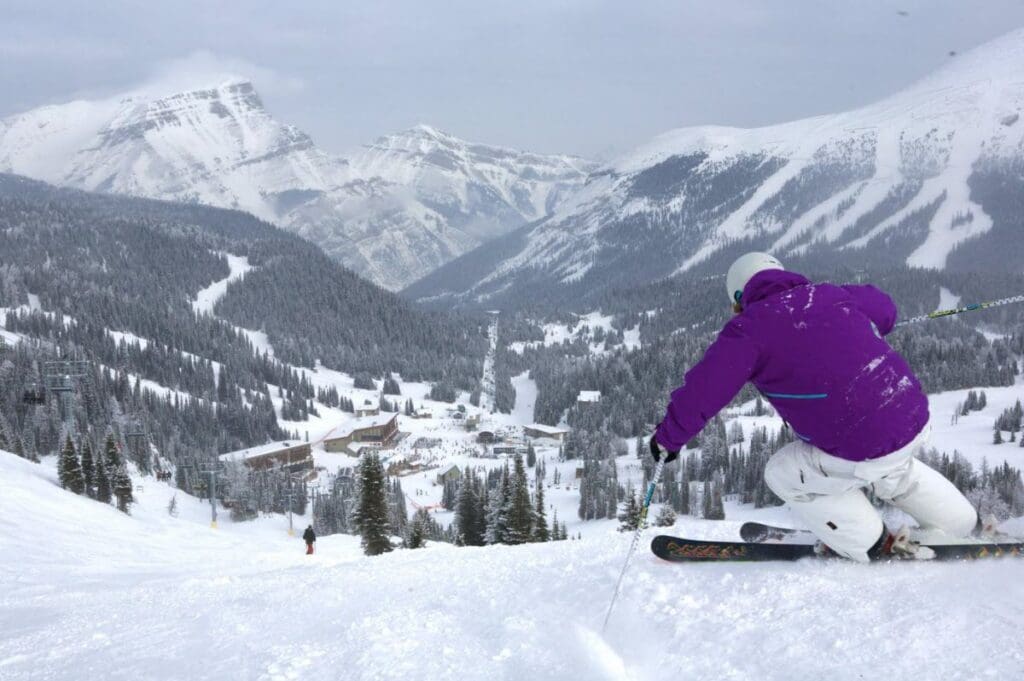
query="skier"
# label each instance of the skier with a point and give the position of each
(817, 352)
(309, 536)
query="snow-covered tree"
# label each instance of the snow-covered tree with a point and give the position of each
(122, 484)
(391, 386)
(520, 511)
(372, 511)
(467, 523)
(88, 468)
(69, 470)
(666, 517)
(417, 538)
(540, 519)
(104, 490)
(630, 513)
(112, 455)
(497, 511)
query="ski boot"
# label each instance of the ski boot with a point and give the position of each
(988, 528)
(899, 546)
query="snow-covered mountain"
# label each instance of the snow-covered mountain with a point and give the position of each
(402, 207)
(215, 145)
(929, 177)
(417, 199)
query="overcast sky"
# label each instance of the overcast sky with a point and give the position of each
(590, 77)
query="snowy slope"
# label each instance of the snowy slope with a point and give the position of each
(400, 208)
(88, 591)
(904, 180)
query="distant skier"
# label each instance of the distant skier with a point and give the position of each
(309, 536)
(816, 352)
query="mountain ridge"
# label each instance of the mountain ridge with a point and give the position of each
(911, 179)
(394, 211)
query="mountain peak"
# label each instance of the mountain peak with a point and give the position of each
(211, 85)
(420, 136)
(426, 130)
(998, 60)
(228, 91)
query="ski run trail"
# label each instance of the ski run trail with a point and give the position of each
(89, 593)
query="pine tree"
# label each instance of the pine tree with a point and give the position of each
(113, 456)
(104, 493)
(706, 499)
(480, 514)
(123, 488)
(449, 494)
(372, 511)
(391, 386)
(556, 533)
(466, 525)
(540, 527)
(88, 469)
(630, 514)
(715, 507)
(7, 439)
(520, 511)
(684, 492)
(398, 515)
(69, 469)
(417, 538)
(497, 511)
(997, 436)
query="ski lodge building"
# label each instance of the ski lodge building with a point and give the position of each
(538, 430)
(449, 474)
(380, 431)
(295, 457)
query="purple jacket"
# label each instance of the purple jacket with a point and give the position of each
(815, 351)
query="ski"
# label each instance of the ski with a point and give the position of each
(682, 550)
(759, 532)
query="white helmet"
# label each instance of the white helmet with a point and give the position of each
(744, 269)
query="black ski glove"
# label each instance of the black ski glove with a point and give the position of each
(657, 450)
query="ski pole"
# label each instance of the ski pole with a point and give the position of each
(655, 479)
(959, 310)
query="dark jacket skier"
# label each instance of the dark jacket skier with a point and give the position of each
(309, 536)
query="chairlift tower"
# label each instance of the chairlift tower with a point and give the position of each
(212, 469)
(291, 495)
(137, 442)
(63, 378)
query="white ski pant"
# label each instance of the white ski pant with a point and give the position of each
(825, 493)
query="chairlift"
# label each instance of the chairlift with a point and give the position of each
(34, 394)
